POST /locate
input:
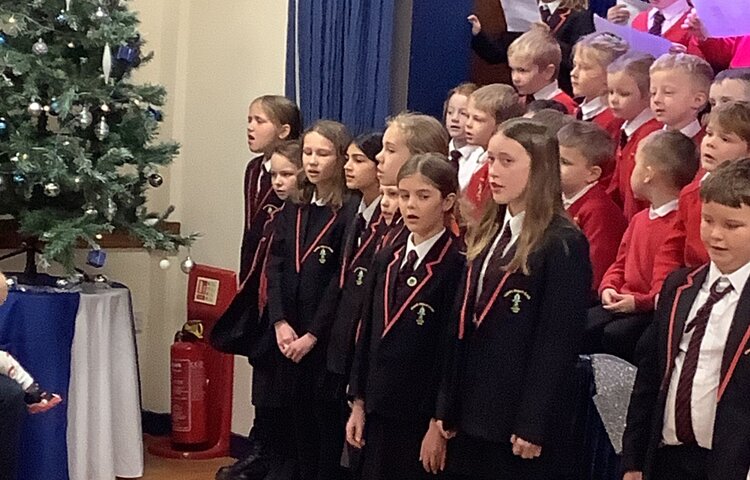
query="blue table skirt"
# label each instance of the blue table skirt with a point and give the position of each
(37, 329)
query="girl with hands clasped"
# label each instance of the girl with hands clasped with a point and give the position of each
(400, 347)
(520, 317)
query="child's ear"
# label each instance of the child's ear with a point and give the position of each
(449, 202)
(284, 131)
(595, 173)
(700, 99)
(550, 72)
(650, 173)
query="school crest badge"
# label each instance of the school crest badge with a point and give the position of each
(421, 309)
(359, 276)
(517, 297)
(323, 252)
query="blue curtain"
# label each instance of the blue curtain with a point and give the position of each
(600, 7)
(338, 60)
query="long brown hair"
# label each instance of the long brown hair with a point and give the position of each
(438, 171)
(543, 194)
(339, 136)
(282, 111)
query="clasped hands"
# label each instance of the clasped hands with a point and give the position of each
(290, 345)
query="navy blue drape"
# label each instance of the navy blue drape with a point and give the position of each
(600, 7)
(339, 59)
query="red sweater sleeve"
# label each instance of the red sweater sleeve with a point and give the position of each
(615, 276)
(672, 252)
(718, 51)
(604, 228)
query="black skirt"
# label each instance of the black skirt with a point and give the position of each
(392, 449)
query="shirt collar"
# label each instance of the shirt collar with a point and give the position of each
(738, 279)
(632, 125)
(316, 201)
(704, 177)
(516, 223)
(368, 210)
(267, 164)
(423, 248)
(594, 107)
(567, 202)
(672, 12)
(690, 130)
(664, 210)
(547, 93)
(466, 150)
(551, 6)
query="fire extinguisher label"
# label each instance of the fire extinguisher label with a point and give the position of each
(188, 386)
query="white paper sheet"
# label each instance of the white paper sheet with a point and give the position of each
(520, 14)
(724, 18)
(634, 7)
(638, 41)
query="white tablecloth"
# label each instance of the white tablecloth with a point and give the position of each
(104, 414)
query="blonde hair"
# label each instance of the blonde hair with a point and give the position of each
(575, 4)
(499, 100)
(539, 46)
(424, 134)
(339, 136)
(604, 47)
(699, 70)
(281, 111)
(543, 193)
(733, 117)
(637, 65)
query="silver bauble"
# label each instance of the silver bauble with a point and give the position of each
(155, 180)
(52, 189)
(35, 109)
(85, 118)
(102, 130)
(187, 265)
(40, 48)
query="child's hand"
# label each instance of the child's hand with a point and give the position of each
(476, 25)
(447, 434)
(621, 303)
(285, 335)
(44, 405)
(434, 447)
(355, 427)
(3, 288)
(607, 298)
(297, 350)
(694, 26)
(633, 476)
(618, 14)
(677, 48)
(524, 449)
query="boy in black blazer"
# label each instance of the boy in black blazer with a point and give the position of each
(689, 414)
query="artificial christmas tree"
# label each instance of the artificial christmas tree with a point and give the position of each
(77, 137)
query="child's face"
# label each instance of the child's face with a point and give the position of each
(319, 159)
(3, 289)
(661, 4)
(283, 176)
(641, 176)
(422, 205)
(262, 133)
(725, 232)
(575, 171)
(393, 156)
(730, 90)
(527, 77)
(589, 76)
(625, 98)
(675, 100)
(510, 165)
(361, 172)
(456, 115)
(480, 126)
(719, 146)
(388, 202)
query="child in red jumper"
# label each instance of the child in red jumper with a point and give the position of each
(584, 148)
(665, 162)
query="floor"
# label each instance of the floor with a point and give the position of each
(168, 469)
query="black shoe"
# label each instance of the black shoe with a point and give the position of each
(257, 451)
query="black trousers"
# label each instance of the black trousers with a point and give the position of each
(680, 463)
(12, 413)
(614, 333)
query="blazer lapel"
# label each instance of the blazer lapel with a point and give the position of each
(252, 181)
(738, 340)
(558, 19)
(391, 276)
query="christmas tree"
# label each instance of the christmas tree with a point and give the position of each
(78, 147)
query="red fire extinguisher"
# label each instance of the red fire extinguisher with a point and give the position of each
(189, 383)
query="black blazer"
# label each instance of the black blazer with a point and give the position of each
(511, 368)
(259, 205)
(729, 458)
(351, 288)
(567, 27)
(399, 354)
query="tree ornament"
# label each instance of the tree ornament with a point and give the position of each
(52, 189)
(107, 63)
(104, 108)
(90, 210)
(35, 109)
(155, 114)
(3, 127)
(62, 17)
(19, 179)
(111, 209)
(10, 26)
(187, 265)
(96, 258)
(85, 118)
(3, 183)
(54, 107)
(62, 283)
(40, 48)
(101, 279)
(102, 130)
(100, 14)
(155, 180)
(77, 182)
(3, 39)
(164, 263)
(15, 158)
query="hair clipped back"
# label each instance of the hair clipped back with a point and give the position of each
(606, 47)
(636, 65)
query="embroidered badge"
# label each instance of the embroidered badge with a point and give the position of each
(421, 310)
(270, 209)
(517, 297)
(323, 253)
(411, 281)
(359, 273)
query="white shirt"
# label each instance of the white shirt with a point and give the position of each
(516, 224)
(708, 373)
(317, 201)
(422, 249)
(640, 120)
(467, 166)
(367, 211)
(266, 167)
(690, 130)
(664, 210)
(10, 368)
(567, 202)
(549, 92)
(594, 107)
(551, 6)
(672, 15)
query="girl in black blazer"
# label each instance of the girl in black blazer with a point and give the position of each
(520, 316)
(405, 324)
(305, 258)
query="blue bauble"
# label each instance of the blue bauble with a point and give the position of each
(3, 126)
(19, 179)
(62, 18)
(3, 39)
